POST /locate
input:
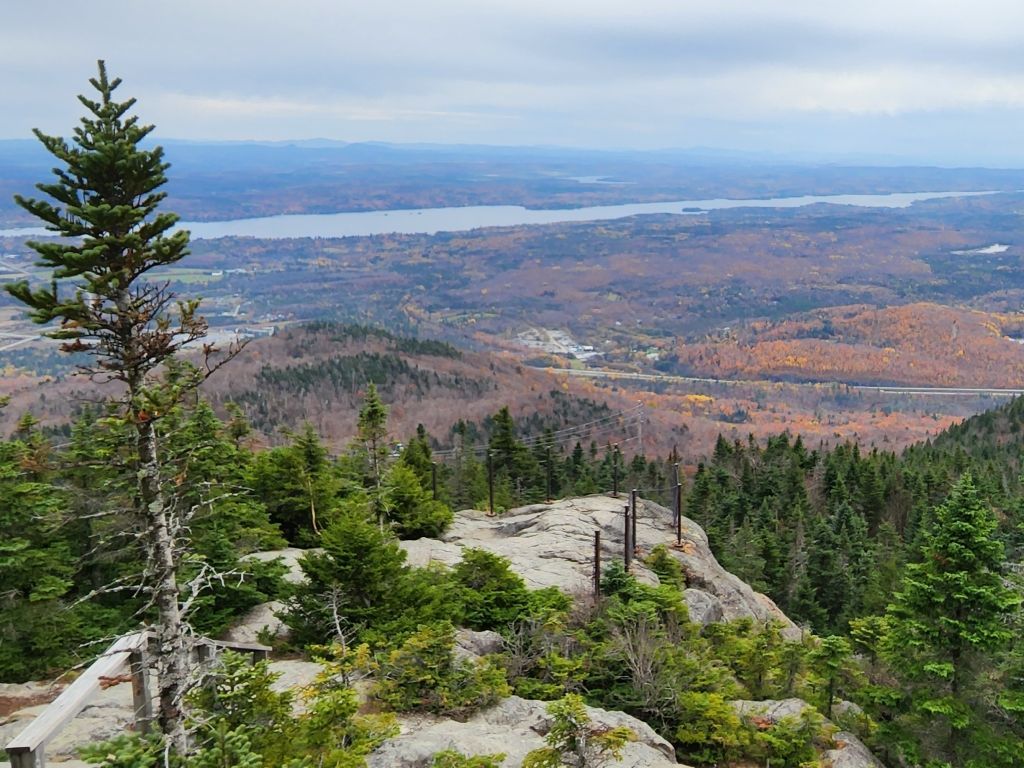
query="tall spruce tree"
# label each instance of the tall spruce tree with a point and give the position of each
(104, 208)
(373, 432)
(948, 621)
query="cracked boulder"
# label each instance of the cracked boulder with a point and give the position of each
(513, 727)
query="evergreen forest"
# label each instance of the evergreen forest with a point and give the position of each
(902, 569)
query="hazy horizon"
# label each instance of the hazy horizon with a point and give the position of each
(906, 81)
(703, 154)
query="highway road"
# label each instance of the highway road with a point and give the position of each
(893, 389)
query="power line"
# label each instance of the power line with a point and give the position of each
(611, 429)
(585, 427)
(599, 427)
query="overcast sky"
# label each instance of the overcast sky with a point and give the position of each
(929, 80)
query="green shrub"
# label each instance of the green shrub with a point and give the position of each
(226, 747)
(758, 655)
(666, 599)
(666, 567)
(413, 512)
(424, 675)
(573, 741)
(547, 603)
(330, 733)
(239, 721)
(240, 695)
(616, 580)
(791, 742)
(551, 676)
(451, 758)
(361, 585)
(129, 750)
(492, 595)
(710, 731)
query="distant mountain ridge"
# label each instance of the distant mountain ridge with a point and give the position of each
(233, 179)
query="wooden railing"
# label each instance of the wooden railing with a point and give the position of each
(128, 654)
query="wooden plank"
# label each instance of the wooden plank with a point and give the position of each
(142, 698)
(26, 749)
(73, 699)
(22, 759)
(259, 652)
(230, 645)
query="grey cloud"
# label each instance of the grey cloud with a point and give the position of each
(647, 73)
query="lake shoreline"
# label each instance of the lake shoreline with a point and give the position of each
(431, 221)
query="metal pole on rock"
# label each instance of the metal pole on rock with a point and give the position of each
(490, 484)
(627, 550)
(615, 472)
(679, 513)
(632, 501)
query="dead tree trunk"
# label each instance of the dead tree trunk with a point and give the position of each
(172, 652)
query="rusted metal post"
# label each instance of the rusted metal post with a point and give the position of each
(615, 472)
(597, 566)
(632, 500)
(679, 513)
(491, 484)
(627, 549)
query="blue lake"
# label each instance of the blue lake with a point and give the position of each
(432, 220)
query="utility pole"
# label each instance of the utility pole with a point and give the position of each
(433, 478)
(597, 566)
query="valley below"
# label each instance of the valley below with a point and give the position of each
(737, 320)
